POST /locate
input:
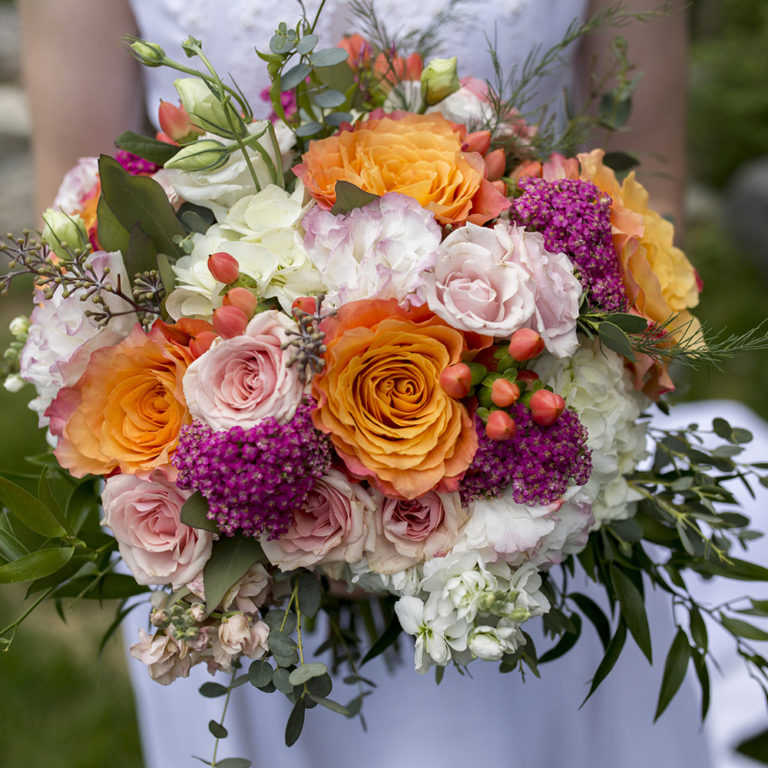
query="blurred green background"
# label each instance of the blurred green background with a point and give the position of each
(61, 704)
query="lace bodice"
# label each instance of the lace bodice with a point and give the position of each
(231, 29)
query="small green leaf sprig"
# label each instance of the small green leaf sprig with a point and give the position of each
(323, 86)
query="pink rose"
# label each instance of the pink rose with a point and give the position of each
(144, 516)
(244, 379)
(164, 657)
(329, 528)
(475, 286)
(557, 291)
(409, 531)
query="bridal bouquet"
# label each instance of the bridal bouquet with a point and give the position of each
(385, 356)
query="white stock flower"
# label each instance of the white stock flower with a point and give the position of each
(491, 643)
(595, 384)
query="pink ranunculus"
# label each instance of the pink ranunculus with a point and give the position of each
(409, 531)
(244, 379)
(145, 518)
(557, 290)
(329, 528)
(475, 286)
(164, 657)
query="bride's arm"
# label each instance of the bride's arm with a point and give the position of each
(83, 87)
(658, 48)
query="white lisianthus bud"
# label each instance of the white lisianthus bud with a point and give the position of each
(19, 327)
(204, 154)
(203, 107)
(62, 229)
(13, 382)
(149, 54)
(439, 80)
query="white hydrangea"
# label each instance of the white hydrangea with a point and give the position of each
(595, 384)
(263, 233)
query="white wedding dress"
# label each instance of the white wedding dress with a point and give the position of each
(490, 719)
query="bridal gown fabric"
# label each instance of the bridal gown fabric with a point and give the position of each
(411, 721)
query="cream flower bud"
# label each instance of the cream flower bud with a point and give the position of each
(203, 107)
(19, 327)
(439, 80)
(204, 154)
(62, 229)
(13, 382)
(149, 54)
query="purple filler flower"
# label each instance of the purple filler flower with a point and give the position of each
(539, 462)
(253, 479)
(574, 218)
(135, 164)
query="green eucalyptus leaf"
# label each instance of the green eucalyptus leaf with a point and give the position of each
(702, 673)
(320, 686)
(233, 762)
(213, 690)
(109, 586)
(306, 672)
(217, 729)
(307, 43)
(30, 510)
(698, 628)
(335, 119)
(281, 643)
(295, 723)
(229, 561)
(281, 680)
(193, 513)
(334, 706)
(306, 130)
(674, 671)
(310, 594)
(260, 673)
(722, 428)
(279, 619)
(75, 563)
(328, 57)
(195, 218)
(740, 570)
(755, 747)
(154, 150)
(46, 496)
(329, 99)
(632, 610)
(294, 76)
(740, 435)
(349, 197)
(139, 199)
(35, 565)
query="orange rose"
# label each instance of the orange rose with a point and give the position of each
(418, 155)
(380, 401)
(126, 410)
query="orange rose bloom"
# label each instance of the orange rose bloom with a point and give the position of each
(417, 155)
(126, 410)
(380, 401)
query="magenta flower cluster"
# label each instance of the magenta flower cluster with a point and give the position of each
(135, 164)
(574, 218)
(253, 479)
(538, 462)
